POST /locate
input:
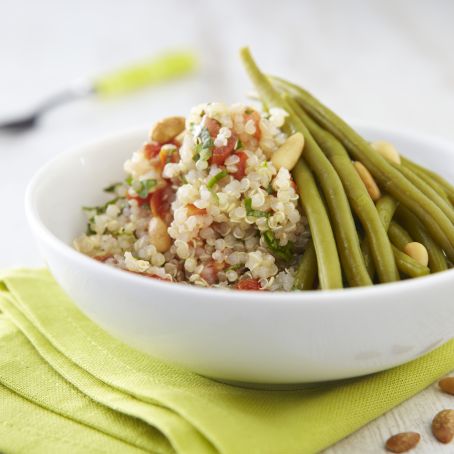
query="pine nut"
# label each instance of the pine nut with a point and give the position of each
(387, 150)
(289, 152)
(158, 235)
(167, 129)
(418, 252)
(368, 180)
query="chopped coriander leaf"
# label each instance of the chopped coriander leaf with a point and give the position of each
(129, 180)
(284, 253)
(112, 188)
(219, 176)
(269, 189)
(238, 145)
(204, 144)
(252, 212)
(146, 186)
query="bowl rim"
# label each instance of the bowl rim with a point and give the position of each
(42, 232)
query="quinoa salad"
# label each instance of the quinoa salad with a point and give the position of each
(208, 200)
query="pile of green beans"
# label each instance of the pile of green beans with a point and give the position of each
(415, 204)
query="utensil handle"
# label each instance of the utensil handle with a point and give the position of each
(160, 69)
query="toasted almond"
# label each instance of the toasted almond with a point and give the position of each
(447, 385)
(289, 152)
(167, 129)
(368, 180)
(387, 150)
(403, 441)
(418, 252)
(158, 235)
(443, 426)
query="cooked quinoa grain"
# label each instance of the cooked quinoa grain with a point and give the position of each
(209, 209)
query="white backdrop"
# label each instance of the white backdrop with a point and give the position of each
(384, 62)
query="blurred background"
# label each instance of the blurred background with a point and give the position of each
(384, 62)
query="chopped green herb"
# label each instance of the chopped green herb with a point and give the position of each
(238, 145)
(248, 111)
(102, 208)
(269, 189)
(89, 230)
(146, 186)
(129, 180)
(252, 212)
(284, 253)
(235, 267)
(219, 176)
(112, 188)
(204, 144)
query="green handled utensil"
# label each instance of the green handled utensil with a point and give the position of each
(158, 70)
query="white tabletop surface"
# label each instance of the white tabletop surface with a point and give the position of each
(385, 62)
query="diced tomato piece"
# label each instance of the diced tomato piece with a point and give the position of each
(255, 117)
(249, 284)
(241, 165)
(151, 149)
(213, 126)
(160, 201)
(194, 211)
(167, 156)
(102, 258)
(140, 201)
(220, 154)
(211, 270)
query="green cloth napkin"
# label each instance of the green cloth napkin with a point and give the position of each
(68, 386)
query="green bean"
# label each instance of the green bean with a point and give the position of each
(307, 269)
(442, 202)
(340, 212)
(341, 217)
(359, 198)
(367, 256)
(398, 235)
(448, 188)
(428, 180)
(390, 179)
(386, 207)
(409, 265)
(328, 265)
(437, 260)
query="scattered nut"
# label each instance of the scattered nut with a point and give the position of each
(418, 252)
(402, 442)
(158, 235)
(387, 150)
(167, 129)
(368, 180)
(289, 152)
(443, 426)
(447, 385)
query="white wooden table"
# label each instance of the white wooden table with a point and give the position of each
(385, 62)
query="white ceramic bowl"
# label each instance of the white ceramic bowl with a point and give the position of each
(258, 337)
